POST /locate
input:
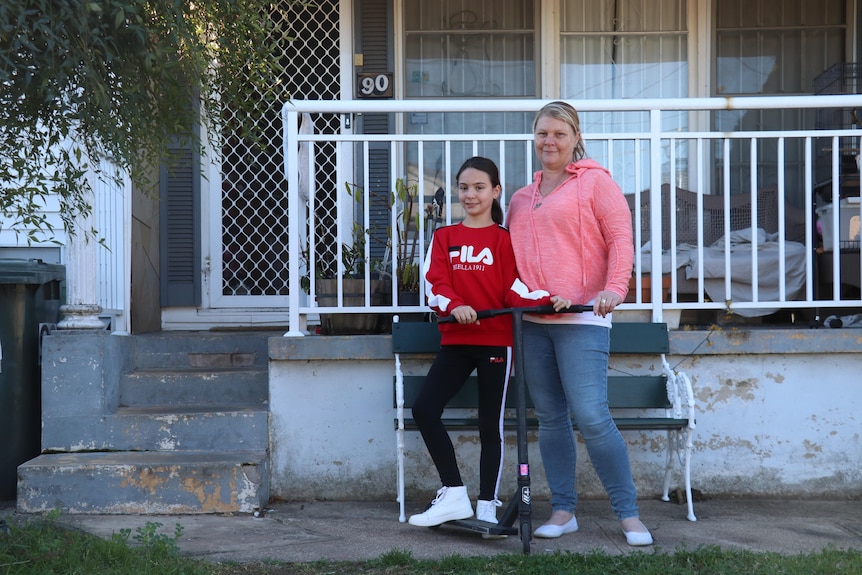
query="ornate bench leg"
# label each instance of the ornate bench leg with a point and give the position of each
(399, 436)
(668, 465)
(687, 459)
(399, 433)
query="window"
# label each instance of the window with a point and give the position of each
(773, 47)
(626, 49)
(469, 49)
(610, 49)
(623, 49)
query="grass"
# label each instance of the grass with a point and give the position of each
(711, 561)
(40, 546)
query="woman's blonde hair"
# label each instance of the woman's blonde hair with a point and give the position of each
(566, 113)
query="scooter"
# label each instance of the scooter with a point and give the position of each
(520, 506)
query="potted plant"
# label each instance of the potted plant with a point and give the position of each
(399, 248)
(354, 267)
(408, 275)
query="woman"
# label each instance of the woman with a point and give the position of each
(571, 232)
(470, 267)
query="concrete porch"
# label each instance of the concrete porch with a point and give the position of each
(777, 415)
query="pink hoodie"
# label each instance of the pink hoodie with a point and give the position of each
(577, 240)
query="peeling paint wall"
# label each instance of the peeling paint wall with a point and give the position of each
(779, 424)
(778, 414)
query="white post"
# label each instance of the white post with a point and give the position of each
(655, 215)
(290, 121)
(81, 310)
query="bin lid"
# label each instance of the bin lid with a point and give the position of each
(32, 271)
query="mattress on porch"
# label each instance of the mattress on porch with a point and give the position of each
(690, 266)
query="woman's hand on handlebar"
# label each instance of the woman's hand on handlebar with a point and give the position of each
(560, 303)
(605, 302)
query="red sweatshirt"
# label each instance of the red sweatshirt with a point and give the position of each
(476, 267)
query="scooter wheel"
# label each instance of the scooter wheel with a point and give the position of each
(526, 538)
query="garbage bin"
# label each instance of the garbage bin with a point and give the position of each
(30, 295)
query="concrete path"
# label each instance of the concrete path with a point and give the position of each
(302, 532)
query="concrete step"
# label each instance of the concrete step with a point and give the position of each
(162, 428)
(147, 482)
(202, 350)
(164, 423)
(239, 387)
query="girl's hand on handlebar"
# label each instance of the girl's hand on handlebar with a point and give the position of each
(464, 314)
(560, 303)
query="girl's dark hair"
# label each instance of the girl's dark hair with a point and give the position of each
(489, 167)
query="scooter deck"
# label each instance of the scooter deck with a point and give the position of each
(483, 527)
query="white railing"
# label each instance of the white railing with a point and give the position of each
(326, 210)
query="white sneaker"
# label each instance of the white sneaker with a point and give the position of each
(487, 511)
(451, 503)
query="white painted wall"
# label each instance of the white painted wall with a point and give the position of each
(778, 413)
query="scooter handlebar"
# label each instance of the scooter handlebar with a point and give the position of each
(543, 309)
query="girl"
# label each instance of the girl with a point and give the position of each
(471, 266)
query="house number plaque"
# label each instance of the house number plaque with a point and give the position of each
(374, 85)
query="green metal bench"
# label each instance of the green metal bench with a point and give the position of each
(651, 402)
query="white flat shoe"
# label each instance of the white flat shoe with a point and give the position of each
(637, 538)
(551, 531)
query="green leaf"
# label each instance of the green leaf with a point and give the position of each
(119, 77)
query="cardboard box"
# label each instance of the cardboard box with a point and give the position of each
(849, 222)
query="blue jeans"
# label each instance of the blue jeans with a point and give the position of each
(566, 370)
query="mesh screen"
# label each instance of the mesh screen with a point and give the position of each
(254, 190)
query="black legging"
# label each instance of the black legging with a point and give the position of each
(451, 368)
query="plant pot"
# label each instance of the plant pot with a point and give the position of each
(410, 298)
(354, 295)
(646, 289)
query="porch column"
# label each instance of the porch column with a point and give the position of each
(81, 310)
